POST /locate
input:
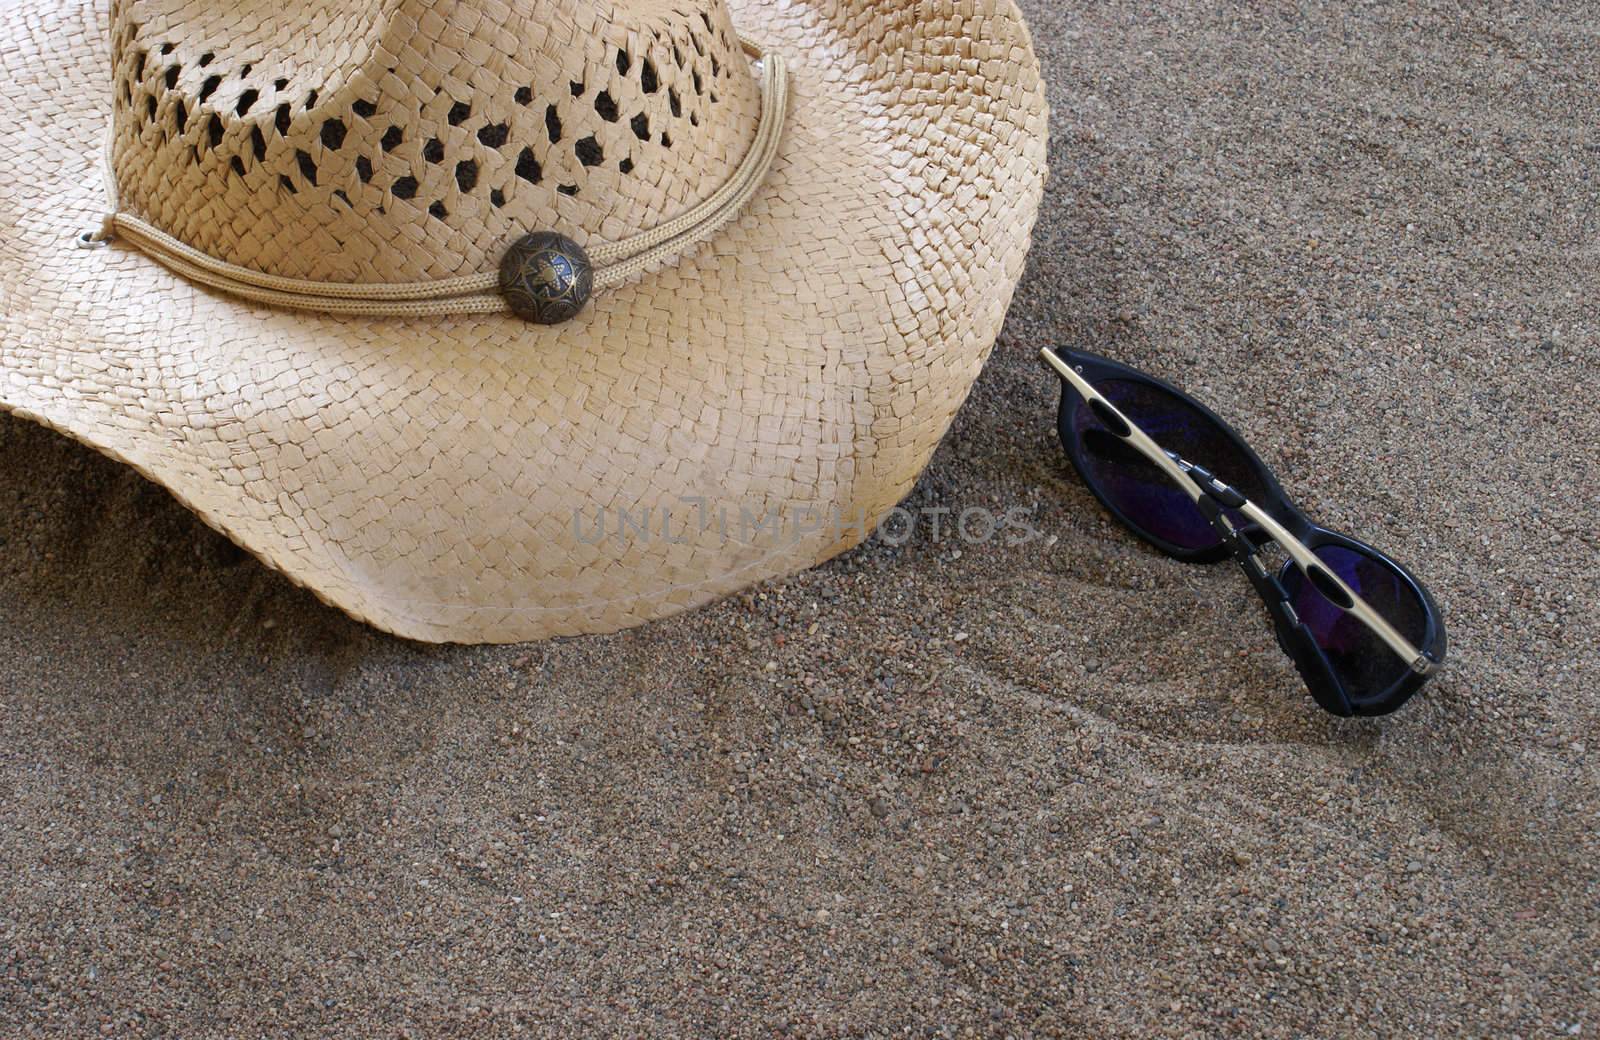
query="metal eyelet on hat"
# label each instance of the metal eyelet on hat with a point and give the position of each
(546, 277)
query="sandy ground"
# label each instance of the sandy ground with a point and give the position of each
(1067, 789)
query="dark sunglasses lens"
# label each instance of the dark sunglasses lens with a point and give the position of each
(1362, 662)
(1135, 485)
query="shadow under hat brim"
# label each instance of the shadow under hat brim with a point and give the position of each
(426, 475)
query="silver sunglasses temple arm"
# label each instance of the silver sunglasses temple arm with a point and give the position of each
(1303, 557)
(1137, 437)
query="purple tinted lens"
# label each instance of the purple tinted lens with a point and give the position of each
(1136, 486)
(1144, 494)
(1362, 662)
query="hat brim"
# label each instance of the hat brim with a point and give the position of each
(746, 412)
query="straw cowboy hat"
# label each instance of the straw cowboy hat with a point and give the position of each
(492, 320)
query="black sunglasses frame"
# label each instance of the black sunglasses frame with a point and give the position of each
(1244, 543)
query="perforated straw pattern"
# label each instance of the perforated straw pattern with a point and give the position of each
(419, 146)
(425, 475)
(617, 262)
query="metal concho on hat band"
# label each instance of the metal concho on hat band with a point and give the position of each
(544, 277)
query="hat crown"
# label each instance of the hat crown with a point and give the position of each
(409, 140)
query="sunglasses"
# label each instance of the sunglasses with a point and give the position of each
(1363, 632)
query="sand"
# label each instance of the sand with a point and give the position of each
(1058, 789)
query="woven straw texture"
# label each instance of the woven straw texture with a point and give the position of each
(482, 479)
